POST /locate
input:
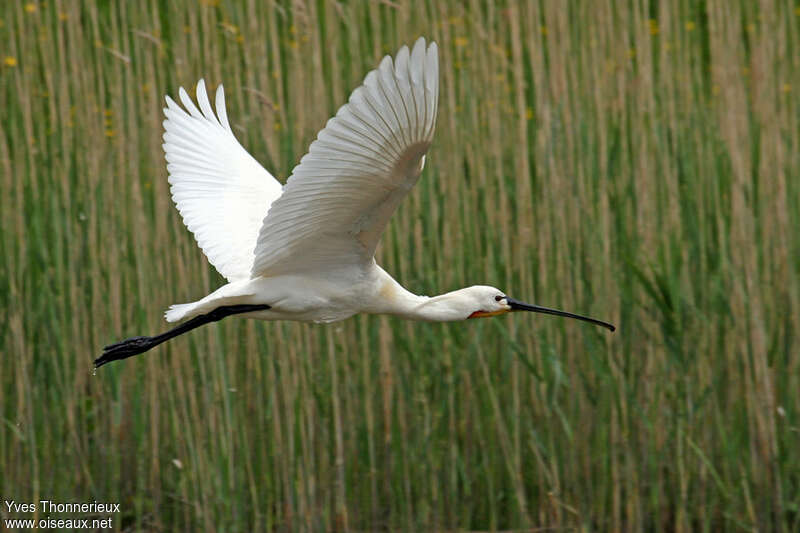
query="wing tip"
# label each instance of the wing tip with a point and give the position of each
(200, 90)
(421, 41)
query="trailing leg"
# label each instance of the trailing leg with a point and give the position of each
(137, 345)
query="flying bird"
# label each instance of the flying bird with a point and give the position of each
(305, 251)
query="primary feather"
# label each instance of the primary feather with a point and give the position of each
(338, 200)
(221, 192)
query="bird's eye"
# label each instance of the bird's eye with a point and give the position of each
(498, 298)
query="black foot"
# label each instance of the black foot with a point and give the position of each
(137, 345)
(124, 349)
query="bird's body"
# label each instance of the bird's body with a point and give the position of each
(305, 251)
(331, 296)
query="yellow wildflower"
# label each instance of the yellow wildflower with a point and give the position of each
(10, 61)
(653, 27)
(30, 8)
(461, 41)
(690, 26)
(230, 28)
(529, 113)
(786, 88)
(110, 133)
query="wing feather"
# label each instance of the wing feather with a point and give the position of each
(341, 195)
(221, 192)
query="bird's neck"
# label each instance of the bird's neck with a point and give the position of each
(394, 299)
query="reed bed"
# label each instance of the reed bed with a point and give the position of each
(636, 161)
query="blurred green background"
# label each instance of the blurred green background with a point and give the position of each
(635, 161)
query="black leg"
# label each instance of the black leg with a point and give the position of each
(137, 345)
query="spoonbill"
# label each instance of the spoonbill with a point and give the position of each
(305, 251)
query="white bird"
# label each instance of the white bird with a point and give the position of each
(305, 251)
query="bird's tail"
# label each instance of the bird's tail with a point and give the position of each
(233, 293)
(177, 312)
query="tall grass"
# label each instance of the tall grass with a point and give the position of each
(634, 161)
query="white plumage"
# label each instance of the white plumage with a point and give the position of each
(339, 198)
(222, 193)
(306, 251)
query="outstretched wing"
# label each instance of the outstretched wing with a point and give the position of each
(222, 193)
(340, 197)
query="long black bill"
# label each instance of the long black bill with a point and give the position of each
(516, 305)
(137, 345)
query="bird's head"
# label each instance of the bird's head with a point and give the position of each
(483, 301)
